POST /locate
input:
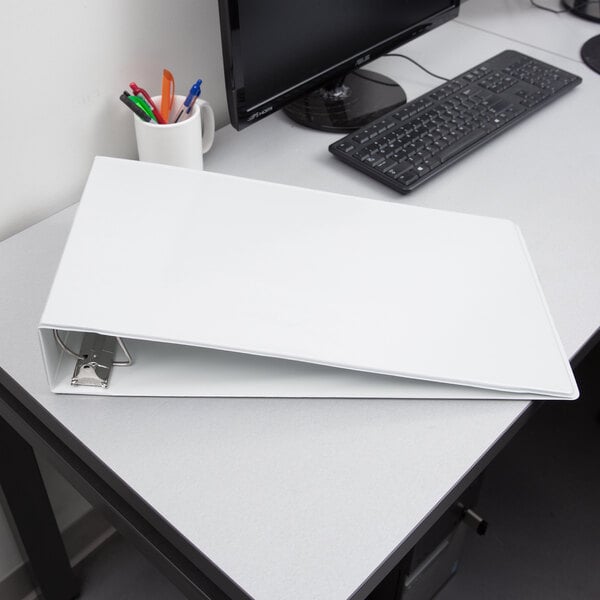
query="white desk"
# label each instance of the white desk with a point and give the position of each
(318, 499)
(561, 34)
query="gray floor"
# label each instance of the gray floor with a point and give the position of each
(541, 496)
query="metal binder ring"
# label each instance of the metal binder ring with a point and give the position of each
(116, 363)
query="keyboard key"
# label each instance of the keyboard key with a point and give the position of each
(361, 138)
(400, 155)
(372, 148)
(386, 165)
(422, 169)
(346, 147)
(500, 105)
(399, 169)
(401, 115)
(372, 160)
(432, 162)
(361, 154)
(381, 127)
(464, 142)
(408, 178)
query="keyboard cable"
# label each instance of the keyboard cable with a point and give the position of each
(363, 76)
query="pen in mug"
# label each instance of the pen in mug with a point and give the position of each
(189, 102)
(168, 93)
(137, 90)
(124, 97)
(143, 105)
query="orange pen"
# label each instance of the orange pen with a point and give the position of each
(168, 93)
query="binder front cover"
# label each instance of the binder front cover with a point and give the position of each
(227, 286)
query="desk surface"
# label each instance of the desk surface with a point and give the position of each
(561, 34)
(316, 499)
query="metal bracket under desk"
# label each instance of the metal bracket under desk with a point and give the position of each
(21, 415)
(33, 518)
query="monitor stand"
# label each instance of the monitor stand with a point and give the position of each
(348, 102)
(590, 53)
(588, 9)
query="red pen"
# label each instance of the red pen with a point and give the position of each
(137, 91)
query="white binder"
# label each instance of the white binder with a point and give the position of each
(223, 286)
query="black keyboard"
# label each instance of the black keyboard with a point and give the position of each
(411, 144)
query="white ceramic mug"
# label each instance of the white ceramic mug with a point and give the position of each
(180, 144)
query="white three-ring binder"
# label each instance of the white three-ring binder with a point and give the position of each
(221, 286)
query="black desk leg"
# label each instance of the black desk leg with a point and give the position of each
(33, 517)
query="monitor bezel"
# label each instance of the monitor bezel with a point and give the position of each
(242, 116)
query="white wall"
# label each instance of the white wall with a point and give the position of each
(63, 66)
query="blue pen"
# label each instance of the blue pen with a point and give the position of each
(190, 100)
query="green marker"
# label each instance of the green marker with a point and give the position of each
(141, 103)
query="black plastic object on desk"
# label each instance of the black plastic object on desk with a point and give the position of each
(410, 145)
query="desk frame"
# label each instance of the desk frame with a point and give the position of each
(131, 516)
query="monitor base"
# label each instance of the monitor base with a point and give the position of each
(590, 53)
(347, 103)
(584, 8)
(588, 9)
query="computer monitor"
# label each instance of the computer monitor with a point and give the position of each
(304, 54)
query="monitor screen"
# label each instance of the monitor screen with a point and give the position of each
(276, 50)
